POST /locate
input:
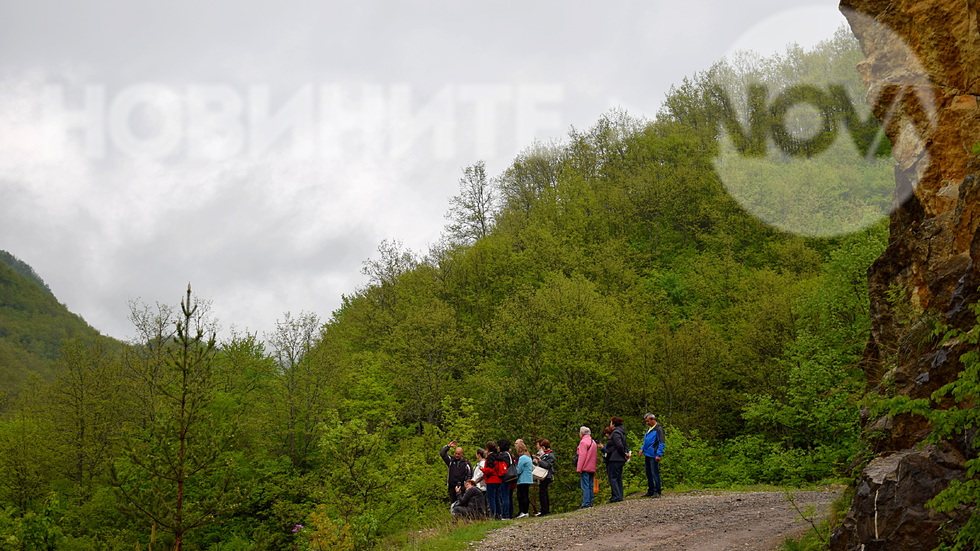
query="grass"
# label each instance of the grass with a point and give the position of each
(818, 538)
(446, 536)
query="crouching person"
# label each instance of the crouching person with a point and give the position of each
(472, 504)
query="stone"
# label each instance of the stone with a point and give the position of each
(889, 502)
(932, 257)
(968, 102)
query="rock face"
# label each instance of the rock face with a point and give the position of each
(930, 270)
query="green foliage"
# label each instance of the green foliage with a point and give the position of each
(34, 530)
(808, 514)
(961, 417)
(84, 406)
(688, 461)
(444, 536)
(24, 269)
(607, 274)
(98, 523)
(817, 537)
(33, 326)
(952, 413)
(557, 347)
(324, 534)
(300, 390)
(463, 423)
(374, 482)
(177, 470)
(774, 172)
(25, 462)
(815, 409)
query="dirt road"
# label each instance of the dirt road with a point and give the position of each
(757, 521)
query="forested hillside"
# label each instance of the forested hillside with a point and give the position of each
(610, 273)
(33, 326)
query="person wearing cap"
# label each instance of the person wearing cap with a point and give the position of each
(653, 452)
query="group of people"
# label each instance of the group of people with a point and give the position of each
(487, 489)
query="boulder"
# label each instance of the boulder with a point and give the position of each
(889, 509)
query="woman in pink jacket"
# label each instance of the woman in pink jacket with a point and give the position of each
(588, 455)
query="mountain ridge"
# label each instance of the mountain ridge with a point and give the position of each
(33, 326)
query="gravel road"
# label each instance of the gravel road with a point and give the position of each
(702, 521)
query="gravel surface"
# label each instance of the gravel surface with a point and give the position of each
(702, 521)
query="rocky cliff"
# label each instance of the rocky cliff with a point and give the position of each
(930, 272)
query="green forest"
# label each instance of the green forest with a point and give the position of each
(610, 273)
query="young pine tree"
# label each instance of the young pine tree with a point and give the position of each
(177, 471)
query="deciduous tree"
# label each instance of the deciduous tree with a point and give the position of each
(471, 213)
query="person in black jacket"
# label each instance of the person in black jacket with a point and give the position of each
(546, 460)
(459, 469)
(616, 455)
(507, 496)
(471, 504)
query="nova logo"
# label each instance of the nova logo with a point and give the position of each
(833, 109)
(801, 142)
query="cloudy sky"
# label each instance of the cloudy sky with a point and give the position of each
(263, 150)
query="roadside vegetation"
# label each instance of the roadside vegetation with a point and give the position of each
(607, 274)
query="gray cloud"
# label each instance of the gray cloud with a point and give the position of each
(261, 234)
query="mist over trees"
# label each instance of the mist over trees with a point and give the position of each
(610, 273)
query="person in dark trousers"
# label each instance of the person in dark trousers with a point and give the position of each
(653, 452)
(471, 504)
(459, 469)
(615, 454)
(507, 494)
(492, 478)
(546, 459)
(525, 478)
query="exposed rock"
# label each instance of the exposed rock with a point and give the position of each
(930, 270)
(889, 504)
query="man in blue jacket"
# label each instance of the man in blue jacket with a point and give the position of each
(653, 451)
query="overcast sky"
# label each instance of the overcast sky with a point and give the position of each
(263, 151)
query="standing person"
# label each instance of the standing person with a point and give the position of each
(545, 460)
(524, 478)
(507, 488)
(490, 476)
(459, 469)
(481, 460)
(615, 453)
(653, 451)
(588, 456)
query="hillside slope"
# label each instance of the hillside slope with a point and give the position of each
(33, 326)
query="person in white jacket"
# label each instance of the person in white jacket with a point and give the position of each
(481, 459)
